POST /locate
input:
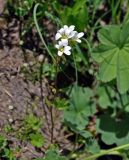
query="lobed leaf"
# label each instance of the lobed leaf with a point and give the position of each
(115, 131)
(113, 55)
(80, 108)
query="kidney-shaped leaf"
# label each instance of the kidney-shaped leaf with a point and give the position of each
(113, 55)
(113, 130)
(80, 108)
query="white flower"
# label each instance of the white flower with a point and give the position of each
(65, 37)
(63, 47)
(65, 32)
(77, 36)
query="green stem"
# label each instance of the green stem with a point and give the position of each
(107, 152)
(88, 44)
(121, 101)
(40, 34)
(127, 12)
(96, 23)
(76, 74)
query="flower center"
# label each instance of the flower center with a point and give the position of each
(62, 49)
(72, 42)
(64, 37)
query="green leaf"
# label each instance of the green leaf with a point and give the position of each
(52, 154)
(113, 55)
(81, 18)
(93, 147)
(60, 103)
(77, 15)
(36, 139)
(113, 130)
(79, 4)
(33, 122)
(23, 7)
(103, 98)
(3, 142)
(8, 154)
(81, 107)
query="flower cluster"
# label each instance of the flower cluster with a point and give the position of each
(65, 36)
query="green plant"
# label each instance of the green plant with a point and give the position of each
(31, 130)
(95, 100)
(77, 15)
(53, 154)
(59, 103)
(112, 55)
(5, 151)
(76, 116)
(111, 133)
(20, 7)
(36, 139)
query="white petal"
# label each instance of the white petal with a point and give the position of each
(67, 48)
(67, 32)
(57, 46)
(72, 34)
(58, 36)
(65, 27)
(60, 44)
(81, 34)
(78, 40)
(61, 31)
(64, 42)
(76, 35)
(60, 53)
(67, 53)
(72, 27)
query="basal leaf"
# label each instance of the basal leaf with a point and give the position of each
(113, 55)
(103, 99)
(115, 131)
(52, 154)
(93, 147)
(76, 116)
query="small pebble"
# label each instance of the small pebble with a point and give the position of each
(10, 120)
(11, 107)
(31, 63)
(40, 58)
(25, 65)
